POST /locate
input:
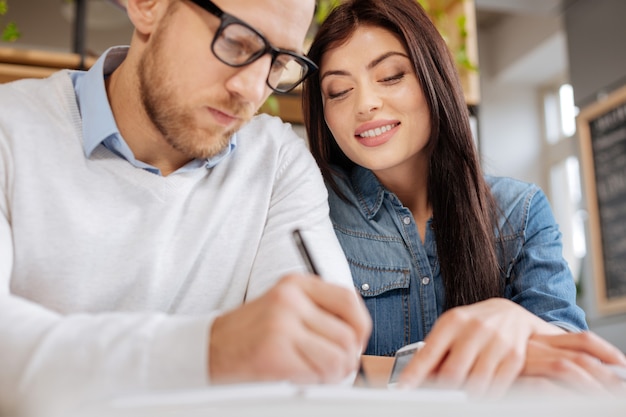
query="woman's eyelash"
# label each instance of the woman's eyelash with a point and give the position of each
(394, 77)
(337, 94)
(390, 79)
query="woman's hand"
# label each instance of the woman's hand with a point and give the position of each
(479, 347)
(576, 361)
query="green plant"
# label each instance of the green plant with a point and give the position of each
(436, 9)
(323, 9)
(455, 34)
(10, 31)
(271, 105)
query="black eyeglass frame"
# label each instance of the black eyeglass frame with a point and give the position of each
(228, 19)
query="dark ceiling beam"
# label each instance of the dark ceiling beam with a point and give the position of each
(80, 30)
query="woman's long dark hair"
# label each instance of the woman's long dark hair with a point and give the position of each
(464, 211)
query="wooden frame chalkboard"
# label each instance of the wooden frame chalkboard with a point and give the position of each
(602, 131)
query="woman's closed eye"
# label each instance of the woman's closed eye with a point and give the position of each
(393, 79)
(337, 93)
(332, 95)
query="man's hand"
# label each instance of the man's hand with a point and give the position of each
(303, 330)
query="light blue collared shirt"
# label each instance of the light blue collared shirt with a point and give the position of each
(99, 125)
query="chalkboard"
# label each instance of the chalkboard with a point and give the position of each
(602, 130)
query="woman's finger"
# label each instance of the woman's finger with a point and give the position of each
(563, 366)
(587, 342)
(495, 381)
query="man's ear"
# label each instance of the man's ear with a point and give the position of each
(145, 14)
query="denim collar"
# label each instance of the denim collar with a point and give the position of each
(369, 191)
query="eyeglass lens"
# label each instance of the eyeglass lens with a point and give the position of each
(238, 45)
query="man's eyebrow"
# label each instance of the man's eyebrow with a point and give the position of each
(371, 65)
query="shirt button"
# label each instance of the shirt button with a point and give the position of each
(406, 220)
(365, 287)
(425, 281)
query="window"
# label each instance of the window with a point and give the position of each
(565, 193)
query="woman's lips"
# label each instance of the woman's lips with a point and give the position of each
(376, 135)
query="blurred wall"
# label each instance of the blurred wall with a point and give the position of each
(596, 41)
(596, 36)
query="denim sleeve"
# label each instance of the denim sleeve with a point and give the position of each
(541, 280)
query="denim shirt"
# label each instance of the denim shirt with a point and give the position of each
(399, 276)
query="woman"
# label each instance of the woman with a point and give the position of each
(470, 264)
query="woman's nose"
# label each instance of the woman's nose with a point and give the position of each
(368, 101)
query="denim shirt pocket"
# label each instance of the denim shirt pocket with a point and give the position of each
(374, 280)
(385, 288)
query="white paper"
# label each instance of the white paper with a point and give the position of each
(275, 390)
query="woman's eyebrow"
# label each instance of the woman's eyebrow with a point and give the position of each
(384, 56)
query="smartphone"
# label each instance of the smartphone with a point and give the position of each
(402, 358)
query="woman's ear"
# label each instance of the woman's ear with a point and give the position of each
(144, 14)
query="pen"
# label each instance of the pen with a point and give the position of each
(308, 260)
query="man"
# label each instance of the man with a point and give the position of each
(146, 217)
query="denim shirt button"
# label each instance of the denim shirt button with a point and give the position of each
(425, 281)
(365, 287)
(406, 220)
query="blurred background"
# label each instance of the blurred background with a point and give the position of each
(530, 67)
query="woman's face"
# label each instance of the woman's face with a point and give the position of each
(374, 104)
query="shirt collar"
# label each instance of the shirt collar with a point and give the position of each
(370, 192)
(99, 125)
(98, 121)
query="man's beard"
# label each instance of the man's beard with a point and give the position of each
(171, 117)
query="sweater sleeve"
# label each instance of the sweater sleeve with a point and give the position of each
(52, 363)
(299, 200)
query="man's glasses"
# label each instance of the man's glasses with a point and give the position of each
(237, 44)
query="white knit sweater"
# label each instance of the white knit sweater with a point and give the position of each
(110, 276)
